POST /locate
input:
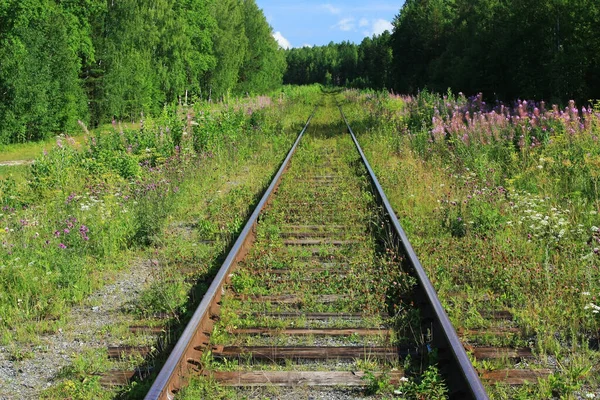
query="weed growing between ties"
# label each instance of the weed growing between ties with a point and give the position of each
(86, 213)
(360, 275)
(501, 204)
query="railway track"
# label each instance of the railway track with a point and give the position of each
(321, 290)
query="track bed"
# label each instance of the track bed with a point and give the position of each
(321, 296)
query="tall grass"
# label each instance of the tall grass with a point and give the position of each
(82, 209)
(501, 203)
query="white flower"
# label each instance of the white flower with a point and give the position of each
(590, 396)
(586, 293)
(595, 229)
(540, 167)
(595, 308)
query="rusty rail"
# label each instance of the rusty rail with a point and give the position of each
(181, 360)
(463, 381)
(453, 360)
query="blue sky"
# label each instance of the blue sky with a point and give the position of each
(314, 22)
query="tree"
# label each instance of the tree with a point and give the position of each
(40, 90)
(264, 62)
(230, 45)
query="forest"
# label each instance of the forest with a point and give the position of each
(543, 50)
(62, 61)
(97, 61)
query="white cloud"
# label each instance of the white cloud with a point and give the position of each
(346, 24)
(283, 42)
(307, 45)
(332, 9)
(381, 25)
(363, 22)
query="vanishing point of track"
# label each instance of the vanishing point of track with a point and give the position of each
(301, 299)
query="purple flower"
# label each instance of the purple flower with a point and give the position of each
(66, 231)
(70, 198)
(62, 246)
(83, 230)
(57, 233)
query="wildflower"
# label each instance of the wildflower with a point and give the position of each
(595, 309)
(590, 396)
(83, 230)
(540, 167)
(595, 229)
(585, 293)
(62, 246)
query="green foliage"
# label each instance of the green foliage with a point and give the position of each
(508, 50)
(161, 298)
(368, 65)
(511, 224)
(40, 90)
(84, 207)
(65, 61)
(429, 386)
(230, 46)
(377, 384)
(264, 62)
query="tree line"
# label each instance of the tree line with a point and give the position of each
(94, 60)
(368, 65)
(542, 49)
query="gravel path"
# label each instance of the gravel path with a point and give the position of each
(15, 163)
(25, 379)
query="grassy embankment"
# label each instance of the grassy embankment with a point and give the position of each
(502, 209)
(87, 213)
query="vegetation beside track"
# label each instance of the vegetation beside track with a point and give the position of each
(187, 178)
(502, 209)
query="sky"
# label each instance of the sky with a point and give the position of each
(318, 22)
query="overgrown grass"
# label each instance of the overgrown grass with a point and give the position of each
(501, 206)
(360, 271)
(81, 209)
(216, 187)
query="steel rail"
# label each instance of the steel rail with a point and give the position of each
(470, 384)
(173, 374)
